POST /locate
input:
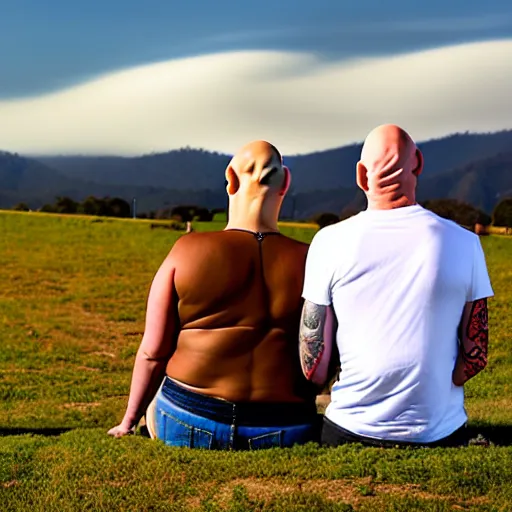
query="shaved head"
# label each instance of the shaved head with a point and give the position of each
(257, 168)
(389, 166)
(257, 182)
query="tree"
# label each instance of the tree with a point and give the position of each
(21, 207)
(203, 215)
(118, 207)
(65, 205)
(457, 211)
(94, 206)
(163, 213)
(502, 214)
(186, 213)
(348, 212)
(326, 219)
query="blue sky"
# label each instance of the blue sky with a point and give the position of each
(132, 77)
(47, 45)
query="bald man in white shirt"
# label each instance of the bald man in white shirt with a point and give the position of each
(408, 292)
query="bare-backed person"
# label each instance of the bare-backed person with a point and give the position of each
(222, 322)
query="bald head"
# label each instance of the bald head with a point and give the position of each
(257, 169)
(389, 166)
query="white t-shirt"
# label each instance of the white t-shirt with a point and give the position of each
(398, 281)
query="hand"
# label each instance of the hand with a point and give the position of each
(121, 431)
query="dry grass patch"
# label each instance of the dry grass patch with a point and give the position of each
(355, 492)
(81, 406)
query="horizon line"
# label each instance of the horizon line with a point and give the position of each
(191, 148)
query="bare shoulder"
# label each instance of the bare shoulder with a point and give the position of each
(192, 245)
(296, 245)
(190, 240)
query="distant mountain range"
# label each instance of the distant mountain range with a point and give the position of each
(475, 168)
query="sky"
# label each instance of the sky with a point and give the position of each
(127, 77)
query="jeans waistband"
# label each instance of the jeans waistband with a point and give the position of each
(239, 413)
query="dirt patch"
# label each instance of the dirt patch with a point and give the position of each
(352, 492)
(88, 369)
(107, 354)
(12, 483)
(81, 406)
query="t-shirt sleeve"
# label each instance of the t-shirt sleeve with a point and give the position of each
(318, 276)
(480, 283)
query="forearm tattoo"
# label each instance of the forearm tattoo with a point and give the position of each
(474, 348)
(311, 335)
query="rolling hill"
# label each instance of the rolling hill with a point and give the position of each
(481, 183)
(476, 168)
(316, 171)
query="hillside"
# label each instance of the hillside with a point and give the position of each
(481, 183)
(181, 169)
(473, 168)
(30, 181)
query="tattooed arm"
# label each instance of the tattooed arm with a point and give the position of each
(473, 339)
(315, 341)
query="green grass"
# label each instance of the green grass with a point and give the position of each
(72, 304)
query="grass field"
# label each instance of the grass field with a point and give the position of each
(72, 300)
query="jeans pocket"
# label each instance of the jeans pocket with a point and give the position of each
(270, 440)
(179, 433)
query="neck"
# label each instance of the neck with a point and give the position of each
(390, 203)
(252, 215)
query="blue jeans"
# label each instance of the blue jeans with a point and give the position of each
(186, 418)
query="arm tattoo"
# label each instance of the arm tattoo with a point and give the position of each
(474, 349)
(311, 337)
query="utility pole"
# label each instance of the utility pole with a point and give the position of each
(134, 208)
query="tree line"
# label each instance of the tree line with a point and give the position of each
(117, 207)
(101, 207)
(452, 209)
(458, 211)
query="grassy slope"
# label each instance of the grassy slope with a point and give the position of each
(72, 312)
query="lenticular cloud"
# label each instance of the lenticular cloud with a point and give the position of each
(297, 100)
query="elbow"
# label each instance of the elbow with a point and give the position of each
(478, 366)
(317, 381)
(458, 380)
(315, 377)
(153, 356)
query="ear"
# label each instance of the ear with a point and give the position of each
(233, 181)
(419, 167)
(287, 181)
(362, 176)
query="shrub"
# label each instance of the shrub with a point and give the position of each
(502, 215)
(325, 219)
(21, 207)
(457, 211)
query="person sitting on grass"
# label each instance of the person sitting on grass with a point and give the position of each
(222, 322)
(408, 291)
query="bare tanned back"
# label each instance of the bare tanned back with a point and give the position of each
(239, 306)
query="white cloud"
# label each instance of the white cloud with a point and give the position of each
(297, 101)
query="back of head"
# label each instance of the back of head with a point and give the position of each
(389, 167)
(257, 182)
(257, 170)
